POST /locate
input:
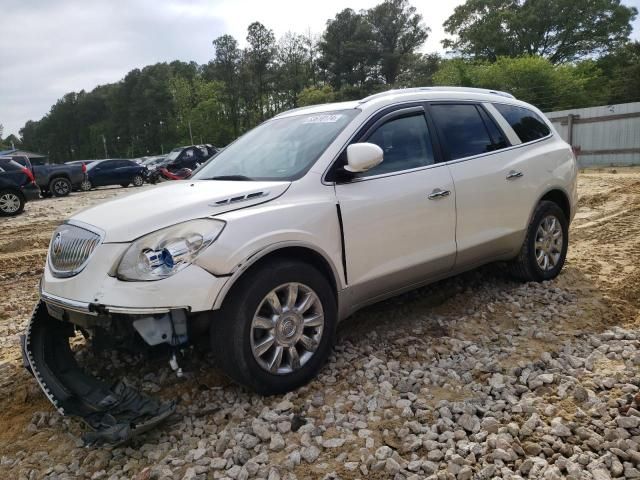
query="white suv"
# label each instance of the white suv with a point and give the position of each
(303, 220)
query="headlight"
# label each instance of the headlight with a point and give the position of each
(165, 252)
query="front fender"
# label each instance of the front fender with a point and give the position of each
(252, 233)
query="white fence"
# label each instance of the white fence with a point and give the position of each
(601, 136)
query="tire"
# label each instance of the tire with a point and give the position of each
(137, 180)
(124, 185)
(526, 266)
(85, 186)
(11, 203)
(234, 338)
(60, 187)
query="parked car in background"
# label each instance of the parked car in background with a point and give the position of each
(78, 162)
(56, 180)
(114, 172)
(189, 157)
(17, 187)
(152, 162)
(299, 223)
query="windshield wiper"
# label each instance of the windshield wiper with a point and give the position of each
(231, 177)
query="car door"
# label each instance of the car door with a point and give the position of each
(125, 171)
(104, 173)
(493, 195)
(399, 217)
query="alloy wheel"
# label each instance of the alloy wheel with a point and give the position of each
(549, 243)
(138, 181)
(9, 203)
(287, 328)
(61, 188)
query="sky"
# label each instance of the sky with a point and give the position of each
(49, 48)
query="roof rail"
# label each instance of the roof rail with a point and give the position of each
(436, 89)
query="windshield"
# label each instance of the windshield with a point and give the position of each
(174, 154)
(280, 149)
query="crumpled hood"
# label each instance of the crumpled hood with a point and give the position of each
(127, 218)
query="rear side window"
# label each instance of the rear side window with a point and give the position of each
(405, 142)
(464, 132)
(526, 123)
(10, 165)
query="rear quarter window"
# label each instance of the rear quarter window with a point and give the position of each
(526, 123)
(10, 165)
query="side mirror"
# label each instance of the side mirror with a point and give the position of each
(362, 157)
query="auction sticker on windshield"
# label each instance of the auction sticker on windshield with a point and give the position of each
(325, 118)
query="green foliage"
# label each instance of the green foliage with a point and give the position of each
(316, 95)
(527, 47)
(532, 79)
(397, 32)
(560, 30)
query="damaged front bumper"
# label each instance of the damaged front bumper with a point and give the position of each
(115, 412)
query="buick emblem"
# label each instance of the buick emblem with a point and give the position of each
(56, 247)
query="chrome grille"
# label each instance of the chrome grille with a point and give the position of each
(70, 249)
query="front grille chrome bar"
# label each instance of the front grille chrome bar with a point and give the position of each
(70, 249)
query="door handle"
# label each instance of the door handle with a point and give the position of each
(437, 193)
(513, 175)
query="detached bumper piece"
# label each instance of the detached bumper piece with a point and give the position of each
(115, 413)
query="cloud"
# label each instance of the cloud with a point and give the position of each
(51, 48)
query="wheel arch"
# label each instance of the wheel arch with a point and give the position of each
(15, 190)
(289, 250)
(56, 176)
(560, 198)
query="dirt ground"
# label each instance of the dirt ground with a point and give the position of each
(602, 273)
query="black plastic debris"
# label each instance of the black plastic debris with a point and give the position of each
(115, 413)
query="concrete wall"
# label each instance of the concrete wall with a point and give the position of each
(601, 136)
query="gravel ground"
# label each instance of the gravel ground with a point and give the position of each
(473, 377)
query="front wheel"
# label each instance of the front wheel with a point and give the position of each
(544, 250)
(138, 181)
(276, 330)
(11, 203)
(85, 186)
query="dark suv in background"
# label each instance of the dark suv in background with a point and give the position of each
(114, 172)
(188, 157)
(17, 186)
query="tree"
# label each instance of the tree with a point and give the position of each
(532, 79)
(397, 31)
(419, 71)
(293, 67)
(347, 50)
(621, 69)
(260, 54)
(225, 68)
(560, 30)
(316, 95)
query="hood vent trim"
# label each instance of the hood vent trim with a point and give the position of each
(238, 199)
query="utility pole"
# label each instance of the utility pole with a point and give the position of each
(161, 141)
(104, 144)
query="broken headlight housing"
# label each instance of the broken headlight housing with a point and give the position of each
(165, 252)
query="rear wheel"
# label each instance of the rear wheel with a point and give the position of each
(276, 330)
(138, 181)
(85, 186)
(544, 250)
(11, 203)
(60, 187)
